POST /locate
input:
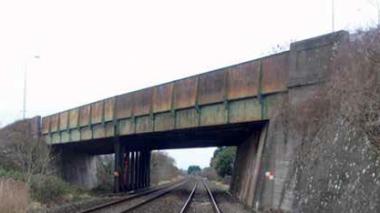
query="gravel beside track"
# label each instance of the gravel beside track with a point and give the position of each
(227, 203)
(170, 203)
(173, 201)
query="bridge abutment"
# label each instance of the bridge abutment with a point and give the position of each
(265, 174)
(247, 167)
(78, 168)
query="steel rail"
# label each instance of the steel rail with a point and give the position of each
(158, 195)
(132, 197)
(189, 199)
(214, 204)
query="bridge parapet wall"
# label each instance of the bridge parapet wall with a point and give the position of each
(235, 94)
(310, 59)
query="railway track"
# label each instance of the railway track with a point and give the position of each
(189, 200)
(134, 201)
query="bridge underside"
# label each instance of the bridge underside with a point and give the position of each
(132, 153)
(222, 135)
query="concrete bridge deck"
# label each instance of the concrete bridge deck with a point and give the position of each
(235, 94)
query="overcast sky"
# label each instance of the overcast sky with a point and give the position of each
(92, 49)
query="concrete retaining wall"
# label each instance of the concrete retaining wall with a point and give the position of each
(78, 168)
(264, 179)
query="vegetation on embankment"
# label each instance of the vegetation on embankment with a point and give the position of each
(162, 168)
(193, 170)
(336, 168)
(221, 165)
(223, 161)
(27, 175)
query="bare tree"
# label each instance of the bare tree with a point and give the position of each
(338, 130)
(376, 5)
(23, 152)
(163, 167)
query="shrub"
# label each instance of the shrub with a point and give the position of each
(48, 189)
(209, 173)
(193, 170)
(27, 158)
(105, 168)
(337, 153)
(223, 160)
(16, 175)
(163, 168)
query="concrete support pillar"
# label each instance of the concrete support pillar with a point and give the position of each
(78, 168)
(119, 166)
(136, 170)
(136, 186)
(138, 173)
(247, 169)
(132, 169)
(126, 169)
(143, 176)
(140, 169)
(129, 171)
(144, 169)
(146, 176)
(148, 167)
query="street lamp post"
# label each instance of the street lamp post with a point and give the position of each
(333, 15)
(25, 86)
(24, 95)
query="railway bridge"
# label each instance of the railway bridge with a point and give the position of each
(238, 105)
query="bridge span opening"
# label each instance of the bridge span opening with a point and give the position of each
(133, 154)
